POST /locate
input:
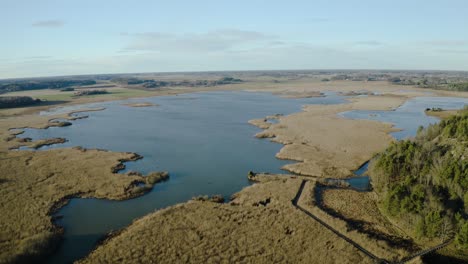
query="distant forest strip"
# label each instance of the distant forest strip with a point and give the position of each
(150, 83)
(432, 83)
(91, 92)
(458, 86)
(67, 85)
(47, 84)
(423, 182)
(17, 101)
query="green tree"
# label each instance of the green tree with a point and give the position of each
(462, 236)
(433, 223)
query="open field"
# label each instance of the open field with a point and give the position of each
(55, 95)
(243, 230)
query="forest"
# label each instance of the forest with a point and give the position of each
(423, 181)
(15, 86)
(17, 101)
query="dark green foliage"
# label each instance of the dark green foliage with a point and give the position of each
(458, 86)
(67, 89)
(17, 101)
(228, 80)
(90, 92)
(46, 84)
(432, 224)
(148, 83)
(462, 236)
(431, 83)
(425, 180)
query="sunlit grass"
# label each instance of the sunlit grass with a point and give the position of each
(125, 93)
(114, 92)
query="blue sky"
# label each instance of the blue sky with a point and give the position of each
(64, 37)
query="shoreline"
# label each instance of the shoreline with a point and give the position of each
(306, 109)
(148, 221)
(309, 149)
(263, 124)
(39, 187)
(13, 136)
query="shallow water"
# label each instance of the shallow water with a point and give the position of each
(360, 181)
(410, 115)
(407, 117)
(202, 139)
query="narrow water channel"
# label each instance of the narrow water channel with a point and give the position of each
(407, 118)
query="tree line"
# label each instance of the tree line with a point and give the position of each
(423, 182)
(17, 101)
(46, 84)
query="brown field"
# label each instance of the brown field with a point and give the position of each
(243, 230)
(360, 206)
(144, 104)
(35, 184)
(327, 145)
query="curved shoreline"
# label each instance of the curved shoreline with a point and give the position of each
(312, 149)
(146, 222)
(40, 176)
(83, 117)
(43, 124)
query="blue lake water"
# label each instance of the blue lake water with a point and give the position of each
(410, 115)
(202, 139)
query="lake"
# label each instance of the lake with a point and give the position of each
(202, 139)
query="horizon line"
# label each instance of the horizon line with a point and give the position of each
(235, 71)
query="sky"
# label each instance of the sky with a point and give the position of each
(68, 37)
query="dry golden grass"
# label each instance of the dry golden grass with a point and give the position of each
(360, 206)
(144, 104)
(243, 231)
(378, 247)
(34, 184)
(327, 145)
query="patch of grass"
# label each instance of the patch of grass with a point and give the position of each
(125, 93)
(114, 92)
(35, 184)
(60, 96)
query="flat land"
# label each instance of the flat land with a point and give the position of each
(243, 230)
(35, 184)
(259, 225)
(328, 145)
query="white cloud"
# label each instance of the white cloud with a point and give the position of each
(231, 49)
(49, 23)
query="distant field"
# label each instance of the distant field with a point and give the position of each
(125, 92)
(56, 95)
